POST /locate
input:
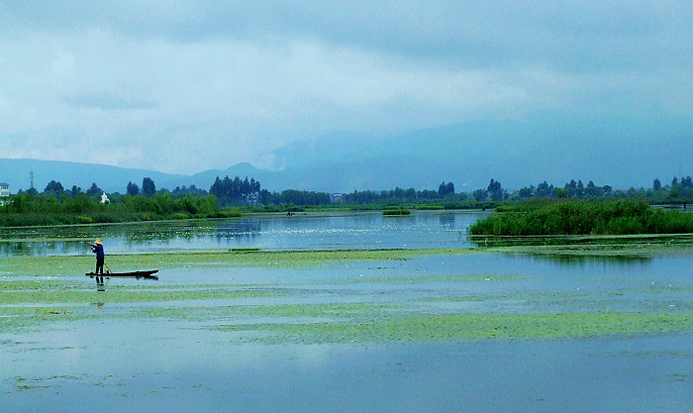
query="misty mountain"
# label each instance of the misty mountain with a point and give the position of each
(17, 173)
(622, 154)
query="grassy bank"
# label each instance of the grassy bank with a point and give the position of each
(582, 217)
(10, 220)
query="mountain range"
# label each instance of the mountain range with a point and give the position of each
(621, 154)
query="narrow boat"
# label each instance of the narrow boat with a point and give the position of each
(147, 274)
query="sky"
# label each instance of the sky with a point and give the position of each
(187, 86)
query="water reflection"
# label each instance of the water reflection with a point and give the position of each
(10, 248)
(239, 230)
(582, 260)
(582, 240)
(447, 220)
(581, 250)
(423, 229)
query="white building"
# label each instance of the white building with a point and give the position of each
(4, 192)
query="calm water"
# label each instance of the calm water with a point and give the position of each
(316, 231)
(130, 364)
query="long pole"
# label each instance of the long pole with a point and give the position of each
(92, 245)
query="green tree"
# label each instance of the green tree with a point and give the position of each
(94, 191)
(132, 189)
(480, 195)
(55, 187)
(75, 191)
(148, 187)
(495, 190)
(656, 184)
(445, 189)
(526, 192)
(544, 190)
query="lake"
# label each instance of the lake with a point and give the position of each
(300, 231)
(406, 334)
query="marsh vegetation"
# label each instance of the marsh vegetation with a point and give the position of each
(582, 217)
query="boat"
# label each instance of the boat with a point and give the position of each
(146, 274)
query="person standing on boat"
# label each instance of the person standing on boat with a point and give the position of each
(97, 248)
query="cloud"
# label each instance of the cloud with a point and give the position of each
(213, 83)
(490, 33)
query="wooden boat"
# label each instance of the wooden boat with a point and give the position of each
(147, 274)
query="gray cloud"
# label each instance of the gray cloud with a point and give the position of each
(248, 76)
(587, 34)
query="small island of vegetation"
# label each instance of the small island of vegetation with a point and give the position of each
(580, 217)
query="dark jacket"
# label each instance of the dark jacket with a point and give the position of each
(98, 250)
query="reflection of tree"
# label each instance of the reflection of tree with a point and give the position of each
(241, 229)
(569, 251)
(38, 247)
(578, 260)
(43, 241)
(447, 220)
(165, 232)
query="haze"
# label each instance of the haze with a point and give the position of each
(186, 86)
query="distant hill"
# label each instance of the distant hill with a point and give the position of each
(518, 154)
(17, 172)
(622, 154)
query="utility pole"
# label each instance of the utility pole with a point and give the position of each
(31, 178)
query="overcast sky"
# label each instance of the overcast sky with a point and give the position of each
(185, 86)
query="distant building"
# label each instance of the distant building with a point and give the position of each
(336, 197)
(4, 192)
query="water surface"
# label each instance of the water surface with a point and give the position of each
(422, 229)
(194, 354)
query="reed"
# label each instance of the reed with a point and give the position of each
(396, 212)
(584, 217)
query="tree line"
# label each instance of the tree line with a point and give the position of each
(145, 201)
(446, 191)
(679, 191)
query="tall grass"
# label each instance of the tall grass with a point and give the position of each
(30, 210)
(396, 212)
(582, 217)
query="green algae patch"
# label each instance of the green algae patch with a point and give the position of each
(120, 296)
(434, 278)
(77, 265)
(47, 265)
(303, 258)
(455, 299)
(455, 327)
(338, 310)
(38, 284)
(17, 319)
(288, 311)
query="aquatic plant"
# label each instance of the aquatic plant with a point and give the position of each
(396, 212)
(582, 217)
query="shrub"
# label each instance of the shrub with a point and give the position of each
(430, 207)
(85, 219)
(396, 212)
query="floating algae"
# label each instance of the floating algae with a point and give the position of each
(72, 265)
(455, 327)
(298, 310)
(85, 296)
